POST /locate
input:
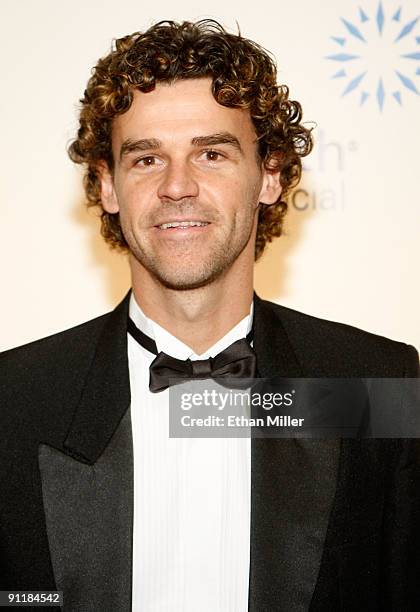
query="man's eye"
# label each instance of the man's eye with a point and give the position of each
(146, 161)
(213, 155)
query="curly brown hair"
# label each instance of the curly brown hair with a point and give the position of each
(243, 75)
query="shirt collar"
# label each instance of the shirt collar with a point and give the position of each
(171, 345)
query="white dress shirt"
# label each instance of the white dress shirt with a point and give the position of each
(191, 533)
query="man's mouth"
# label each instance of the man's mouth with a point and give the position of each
(181, 224)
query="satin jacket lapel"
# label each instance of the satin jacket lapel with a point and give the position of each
(106, 395)
(88, 512)
(88, 486)
(293, 482)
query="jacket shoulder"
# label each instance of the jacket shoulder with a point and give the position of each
(44, 376)
(328, 345)
(61, 345)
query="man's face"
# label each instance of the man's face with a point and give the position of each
(187, 183)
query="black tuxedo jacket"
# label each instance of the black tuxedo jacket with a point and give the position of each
(335, 524)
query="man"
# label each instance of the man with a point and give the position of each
(190, 148)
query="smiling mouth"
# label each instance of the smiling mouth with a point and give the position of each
(181, 224)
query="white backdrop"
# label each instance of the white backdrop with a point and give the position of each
(352, 247)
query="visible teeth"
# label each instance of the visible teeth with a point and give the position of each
(182, 224)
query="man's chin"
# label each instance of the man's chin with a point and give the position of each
(183, 273)
(184, 283)
(187, 275)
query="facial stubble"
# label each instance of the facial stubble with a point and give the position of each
(190, 264)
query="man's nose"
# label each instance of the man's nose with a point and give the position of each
(178, 182)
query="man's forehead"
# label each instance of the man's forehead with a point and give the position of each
(183, 106)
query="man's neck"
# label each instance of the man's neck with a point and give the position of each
(199, 317)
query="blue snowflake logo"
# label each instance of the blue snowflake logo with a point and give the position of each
(378, 55)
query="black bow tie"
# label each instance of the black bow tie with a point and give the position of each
(237, 361)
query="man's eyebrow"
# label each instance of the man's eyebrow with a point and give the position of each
(215, 139)
(147, 144)
(144, 144)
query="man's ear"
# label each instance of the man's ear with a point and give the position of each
(271, 187)
(108, 195)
